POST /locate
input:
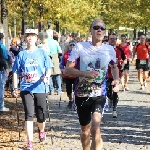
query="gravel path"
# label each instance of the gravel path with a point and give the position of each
(130, 131)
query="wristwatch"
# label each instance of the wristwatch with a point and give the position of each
(15, 89)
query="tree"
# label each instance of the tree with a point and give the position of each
(77, 15)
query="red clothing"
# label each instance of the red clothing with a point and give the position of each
(64, 62)
(142, 51)
(121, 57)
(126, 50)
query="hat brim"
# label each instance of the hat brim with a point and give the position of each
(71, 44)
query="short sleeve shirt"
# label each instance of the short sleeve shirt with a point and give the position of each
(142, 51)
(53, 46)
(93, 58)
(32, 65)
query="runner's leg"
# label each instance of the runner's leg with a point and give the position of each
(126, 74)
(122, 80)
(145, 75)
(97, 109)
(140, 76)
(40, 110)
(28, 102)
(84, 110)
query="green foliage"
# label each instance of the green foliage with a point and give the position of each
(77, 14)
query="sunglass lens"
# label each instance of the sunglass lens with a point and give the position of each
(95, 27)
(98, 27)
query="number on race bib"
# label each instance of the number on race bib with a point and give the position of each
(142, 62)
(31, 76)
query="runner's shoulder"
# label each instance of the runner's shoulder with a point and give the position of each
(22, 53)
(108, 47)
(83, 44)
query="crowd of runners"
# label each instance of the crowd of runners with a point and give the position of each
(91, 69)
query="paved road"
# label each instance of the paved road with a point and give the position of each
(130, 131)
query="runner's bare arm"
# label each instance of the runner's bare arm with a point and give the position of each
(48, 73)
(15, 80)
(115, 72)
(71, 71)
(133, 55)
(134, 52)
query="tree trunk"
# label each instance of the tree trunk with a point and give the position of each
(4, 20)
(134, 34)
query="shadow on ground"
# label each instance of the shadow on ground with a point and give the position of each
(132, 125)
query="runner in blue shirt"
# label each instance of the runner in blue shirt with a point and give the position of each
(35, 67)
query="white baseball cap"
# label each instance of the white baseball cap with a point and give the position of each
(72, 42)
(35, 31)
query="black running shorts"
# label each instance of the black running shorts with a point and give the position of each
(86, 108)
(126, 66)
(141, 65)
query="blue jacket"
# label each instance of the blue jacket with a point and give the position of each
(5, 54)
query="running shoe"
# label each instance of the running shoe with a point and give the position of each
(42, 136)
(4, 109)
(123, 89)
(126, 88)
(142, 87)
(114, 114)
(70, 104)
(145, 84)
(29, 146)
(106, 107)
(75, 107)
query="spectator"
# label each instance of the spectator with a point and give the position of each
(55, 79)
(89, 38)
(15, 48)
(3, 72)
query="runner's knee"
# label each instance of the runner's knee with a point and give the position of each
(41, 117)
(85, 131)
(29, 116)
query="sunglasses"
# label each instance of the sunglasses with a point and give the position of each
(72, 45)
(99, 27)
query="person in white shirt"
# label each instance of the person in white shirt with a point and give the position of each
(90, 94)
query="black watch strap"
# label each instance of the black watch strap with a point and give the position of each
(15, 89)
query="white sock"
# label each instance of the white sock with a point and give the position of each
(106, 100)
(29, 130)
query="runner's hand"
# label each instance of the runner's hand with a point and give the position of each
(63, 71)
(7, 72)
(116, 85)
(130, 60)
(45, 79)
(116, 88)
(115, 82)
(15, 92)
(91, 74)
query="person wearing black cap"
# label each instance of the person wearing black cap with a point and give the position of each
(3, 72)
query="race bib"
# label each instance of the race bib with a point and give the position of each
(31, 76)
(91, 87)
(88, 89)
(142, 62)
